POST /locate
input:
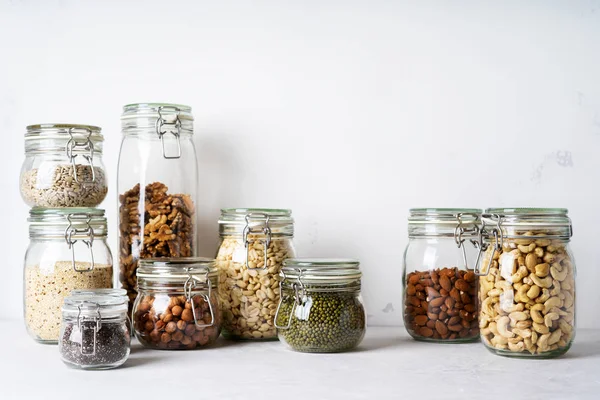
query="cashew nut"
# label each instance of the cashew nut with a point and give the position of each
(542, 270)
(552, 302)
(531, 260)
(526, 249)
(568, 301)
(544, 296)
(540, 328)
(502, 326)
(549, 258)
(557, 274)
(543, 242)
(554, 337)
(524, 333)
(565, 327)
(520, 346)
(533, 292)
(536, 316)
(541, 282)
(550, 318)
(521, 273)
(543, 342)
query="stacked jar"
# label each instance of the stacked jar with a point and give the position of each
(254, 244)
(157, 183)
(440, 285)
(63, 179)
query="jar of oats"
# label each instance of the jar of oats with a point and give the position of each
(67, 251)
(527, 282)
(254, 244)
(63, 166)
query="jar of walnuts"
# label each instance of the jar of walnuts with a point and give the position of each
(440, 286)
(157, 185)
(254, 244)
(177, 306)
(527, 282)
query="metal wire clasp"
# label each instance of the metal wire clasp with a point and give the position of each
(265, 230)
(81, 319)
(188, 289)
(74, 147)
(175, 129)
(461, 230)
(299, 299)
(483, 245)
(88, 231)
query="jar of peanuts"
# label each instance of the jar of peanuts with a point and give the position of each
(440, 286)
(527, 282)
(254, 244)
(177, 306)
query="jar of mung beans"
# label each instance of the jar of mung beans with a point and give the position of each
(321, 310)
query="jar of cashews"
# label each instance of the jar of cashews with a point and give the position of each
(527, 282)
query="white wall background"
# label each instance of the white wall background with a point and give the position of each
(347, 112)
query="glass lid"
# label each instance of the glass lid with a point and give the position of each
(176, 269)
(320, 269)
(92, 304)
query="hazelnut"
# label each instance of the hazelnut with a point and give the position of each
(165, 337)
(181, 325)
(171, 327)
(167, 317)
(148, 326)
(177, 310)
(159, 325)
(186, 340)
(187, 315)
(190, 329)
(155, 335)
(177, 336)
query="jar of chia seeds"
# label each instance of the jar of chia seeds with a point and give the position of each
(254, 244)
(177, 306)
(63, 166)
(440, 285)
(321, 309)
(94, 332)
(67, 251)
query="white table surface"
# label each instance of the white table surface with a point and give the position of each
(387, 365)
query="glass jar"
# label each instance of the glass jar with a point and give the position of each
(67, 251)
(63, 166)
(157, 185)
(527, 282)
(254, 244)
(440, 286)
(321, 310)
(94, 332)
(177, 307)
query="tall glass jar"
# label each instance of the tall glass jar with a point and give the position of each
(177, 307)
(527, 283)
(63, 166)
(321, 310)
(94, 332)
(254, 244)
(157, 184)
(440, 286)
(67, 251)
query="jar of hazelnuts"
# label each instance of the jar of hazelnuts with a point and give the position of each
(177, 305)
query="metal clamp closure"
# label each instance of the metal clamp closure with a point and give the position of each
(188, 288)
(265, 230)
(483, 245)
(75, 147)
(88, 231)
(173, 127)
(98, 324)
(299, 299)
(462, 229)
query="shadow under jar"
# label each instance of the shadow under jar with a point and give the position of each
(254, 244)
(177, 306)
(63, 166)
(440, 288)
(67, 251)
(527, 283)
(321, 310)
(157, 185)
(94, 332)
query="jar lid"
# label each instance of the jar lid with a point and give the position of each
(54, 222)
(104, 292)
(77, 131)
(94, 305)
(526, 218)
(152, 116)
(177, 270)
(256, 221)
(313, 270)
(443, 215)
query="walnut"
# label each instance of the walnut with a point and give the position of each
(167, 225)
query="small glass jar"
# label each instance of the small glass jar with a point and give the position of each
(254, 244)
(177, 307)
(157, 185)
(321, 310)
(527, 283)
(63, 166)
(440, 286)
(67, 251)
(94, 332)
